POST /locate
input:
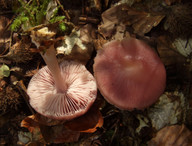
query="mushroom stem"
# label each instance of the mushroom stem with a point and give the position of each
(50, 59)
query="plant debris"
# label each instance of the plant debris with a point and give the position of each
(78, 30)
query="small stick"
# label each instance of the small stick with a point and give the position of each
(66, 13)
(22, 89)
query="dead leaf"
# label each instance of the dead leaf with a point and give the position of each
(111, 17)
(167, 53)
(47, 121)
(175, 135)
(183, 46)
(99, 124)
(89, 122)
(30, 123)
(19, 52)
(142, 22)
(24, 138)
(59, 134)
(177, 66)
(168, 110)
(145, 24)
(49, 134)
(33, 126)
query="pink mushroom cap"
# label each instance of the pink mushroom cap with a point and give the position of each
(67, 104)
(129, 74)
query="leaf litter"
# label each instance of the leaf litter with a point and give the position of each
(103, 124)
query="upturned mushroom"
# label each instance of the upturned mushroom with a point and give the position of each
(129, 74)
(62, 91)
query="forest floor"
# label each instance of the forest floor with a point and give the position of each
(165, 25)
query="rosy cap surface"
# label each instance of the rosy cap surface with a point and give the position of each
(129, 74)
(67, 104)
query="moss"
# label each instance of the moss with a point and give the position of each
(34, 13)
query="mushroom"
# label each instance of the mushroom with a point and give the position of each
(129, 74)
(62, 91)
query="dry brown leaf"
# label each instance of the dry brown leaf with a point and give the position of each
(50, 134)
(168, 55)
(33, 127)
(47, 121)
(99, 124)
(176, 135)
(89, 122)
(145, 24)
(177, 66)
(58, 134)
(66, 135)
(19, 52)
(30, 123)
(141, 22)
(111, 17)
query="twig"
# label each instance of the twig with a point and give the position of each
(115, 132)
(66, 13)
(22, 89)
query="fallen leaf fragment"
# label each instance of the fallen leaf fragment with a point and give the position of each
(49, 134)
(19, 52)
(142, 22)
(34, 129)
(58, 134)
(66, 135)
(168, 110)
(146, 23)
(168, 54)
(4, 71)
(24, 138)
(183, 46)
(88, 123)
(47, 121)
(176, 135)
(111, 17)
(30, 123)
(99, 124)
